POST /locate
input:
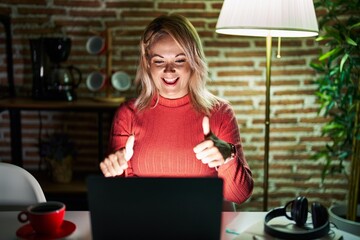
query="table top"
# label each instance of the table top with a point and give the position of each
(232, 227)
(9, 224)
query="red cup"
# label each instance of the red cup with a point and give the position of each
(95, 81)
(45, 218)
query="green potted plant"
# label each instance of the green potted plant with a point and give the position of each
(339, 93)
(58, 151)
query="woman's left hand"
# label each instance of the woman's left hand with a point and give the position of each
(212, 151)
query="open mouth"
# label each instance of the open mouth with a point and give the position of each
(170, 81)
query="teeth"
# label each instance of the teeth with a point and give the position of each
(170, 80)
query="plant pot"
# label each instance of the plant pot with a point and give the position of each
(61, 171)
(337, 214)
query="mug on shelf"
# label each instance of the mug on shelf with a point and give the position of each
(95, 81)
(96, 45)
(120, 81)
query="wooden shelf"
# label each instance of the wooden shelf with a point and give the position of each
(77, 185)
(81, 104)
(73, 194)
(16, 105)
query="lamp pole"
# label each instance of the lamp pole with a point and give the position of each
(267, 122)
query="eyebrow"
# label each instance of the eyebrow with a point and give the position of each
(158, 55)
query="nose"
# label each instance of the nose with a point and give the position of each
(169, 67)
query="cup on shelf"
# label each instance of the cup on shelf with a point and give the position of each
(96, 45)
(95, 81)
(45, 218)
(120, 81)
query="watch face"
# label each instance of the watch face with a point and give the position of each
(121, 81)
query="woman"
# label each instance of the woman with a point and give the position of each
(176, 127)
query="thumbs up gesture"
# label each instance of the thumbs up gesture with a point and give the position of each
(115, 164)
(212, 151)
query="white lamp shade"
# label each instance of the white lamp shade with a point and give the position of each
(261, 18)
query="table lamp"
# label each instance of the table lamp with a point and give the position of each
(268, 18)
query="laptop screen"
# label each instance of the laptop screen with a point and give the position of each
(155, 208)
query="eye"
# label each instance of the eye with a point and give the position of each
(180, 61)
(158, 62)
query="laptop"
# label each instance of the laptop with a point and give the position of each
(155, 208)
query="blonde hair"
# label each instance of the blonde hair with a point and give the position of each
(186, 36)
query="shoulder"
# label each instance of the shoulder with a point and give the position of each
(127, 107)
(222, 107)
(223, 121)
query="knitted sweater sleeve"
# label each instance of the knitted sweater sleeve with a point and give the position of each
(121, 129)
(237, 176)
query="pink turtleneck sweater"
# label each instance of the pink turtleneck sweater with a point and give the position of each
(165, 137)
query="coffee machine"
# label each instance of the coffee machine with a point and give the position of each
(51, 80)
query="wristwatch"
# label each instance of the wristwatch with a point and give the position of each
(233, 153)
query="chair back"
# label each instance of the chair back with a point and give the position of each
(18, 188)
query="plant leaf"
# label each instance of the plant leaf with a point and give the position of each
(350, 41)
(317, 67)
(355, 25)
(329, 54)
(322, 38)
(343, 60)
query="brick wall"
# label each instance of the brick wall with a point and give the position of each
(237, 70)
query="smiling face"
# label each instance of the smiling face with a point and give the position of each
(169, 68)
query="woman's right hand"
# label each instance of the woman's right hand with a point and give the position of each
(116, 163)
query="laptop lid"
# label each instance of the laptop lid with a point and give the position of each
(155, 208)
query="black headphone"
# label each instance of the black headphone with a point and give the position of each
(299, 211)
